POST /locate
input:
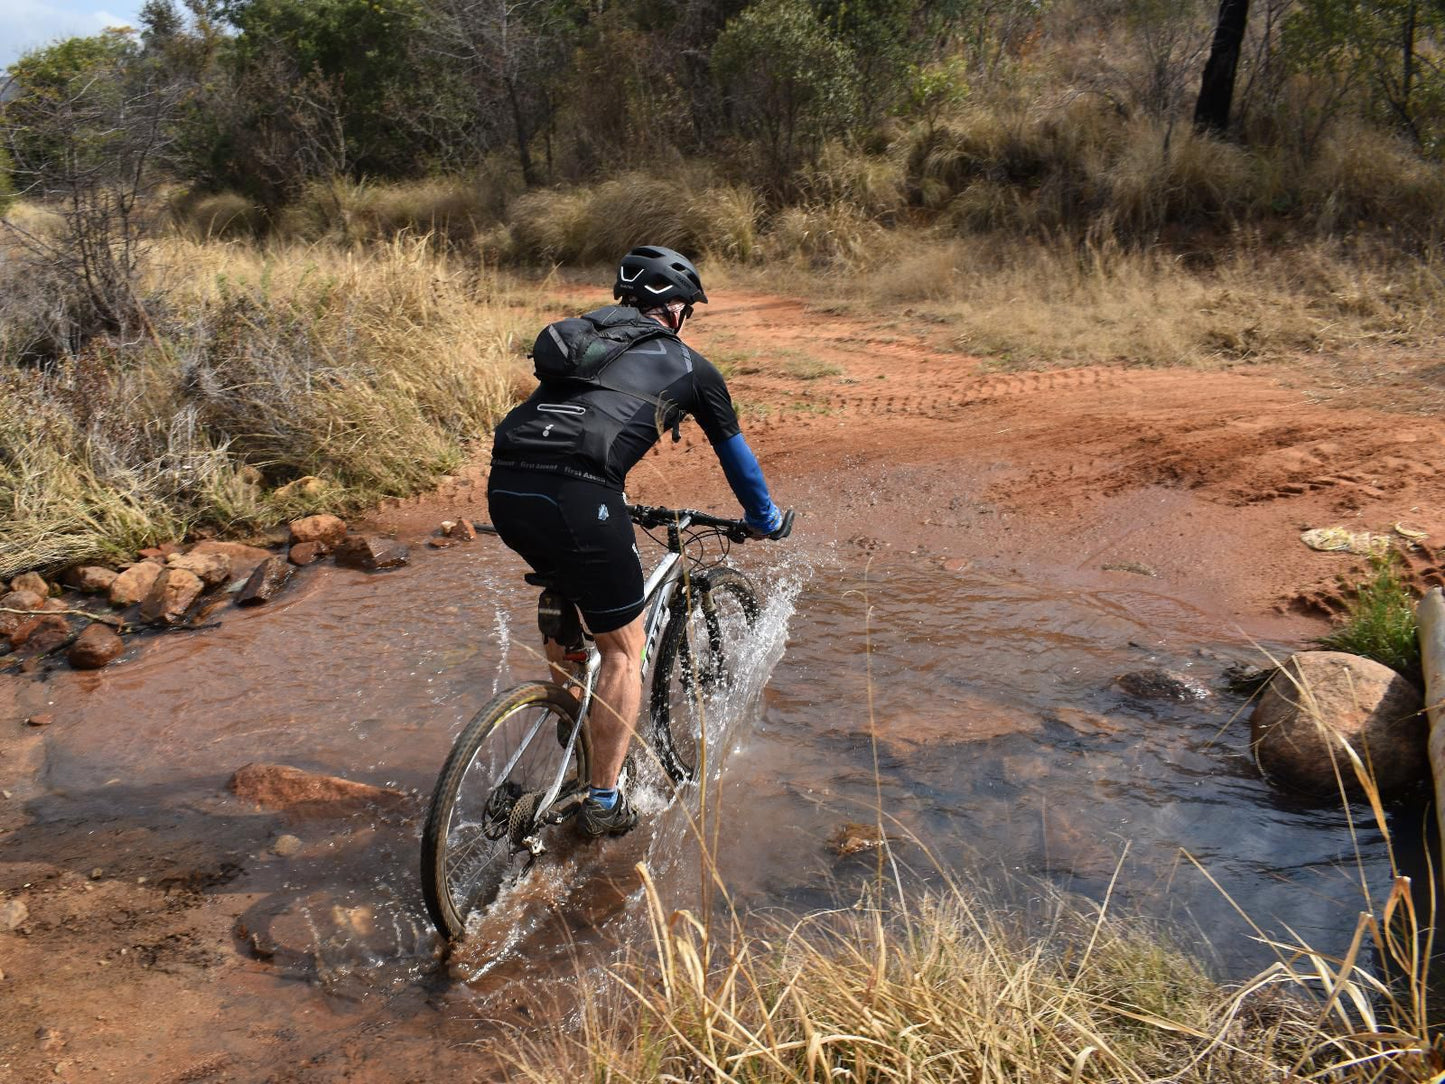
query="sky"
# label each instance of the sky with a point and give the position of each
(27, 24)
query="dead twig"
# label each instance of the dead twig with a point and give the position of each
(104, 619)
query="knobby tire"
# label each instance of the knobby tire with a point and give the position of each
(683, 679)
(462, 868)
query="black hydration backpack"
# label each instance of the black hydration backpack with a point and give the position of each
(579, 349)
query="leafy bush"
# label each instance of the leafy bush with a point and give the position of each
(1380, 623)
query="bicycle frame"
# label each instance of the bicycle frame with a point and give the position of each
(658, 593)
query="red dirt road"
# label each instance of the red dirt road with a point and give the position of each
(1205, 477)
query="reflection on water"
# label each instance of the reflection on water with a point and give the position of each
(981, 713)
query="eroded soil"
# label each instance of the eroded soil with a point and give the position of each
(133, 961)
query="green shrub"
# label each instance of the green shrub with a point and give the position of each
(7, 183)
(1380, 624)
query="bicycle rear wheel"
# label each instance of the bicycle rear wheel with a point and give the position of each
(486, 800)
(712, 617)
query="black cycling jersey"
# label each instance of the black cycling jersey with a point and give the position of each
(597, 431)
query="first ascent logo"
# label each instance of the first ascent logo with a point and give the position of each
(602, 513)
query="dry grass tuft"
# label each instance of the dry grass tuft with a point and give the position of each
(373, 372)
(686, 211)
(949, 988)
(1030, 303)
(454, 209)
(217, 216)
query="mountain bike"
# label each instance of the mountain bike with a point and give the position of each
(520, 769)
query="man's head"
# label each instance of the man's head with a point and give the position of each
(658, 280)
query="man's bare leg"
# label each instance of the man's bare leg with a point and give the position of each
(615, 700)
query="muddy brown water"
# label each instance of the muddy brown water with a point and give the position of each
(981, 709)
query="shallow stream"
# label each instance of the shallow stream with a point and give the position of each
(980, 713)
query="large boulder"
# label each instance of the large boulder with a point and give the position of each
(171, 596)
(1320, 699)
(134, 583)
(323, 529)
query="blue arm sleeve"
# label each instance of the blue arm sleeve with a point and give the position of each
(746, 479)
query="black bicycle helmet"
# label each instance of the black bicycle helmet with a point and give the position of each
(651, 273)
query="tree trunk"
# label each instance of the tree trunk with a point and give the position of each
(1216, 90)
(524, 153)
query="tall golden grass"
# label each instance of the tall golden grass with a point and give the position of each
(943, 985)
(372, 370)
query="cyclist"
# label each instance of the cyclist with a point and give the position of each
(611, 383)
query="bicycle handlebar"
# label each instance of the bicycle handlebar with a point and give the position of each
(737, 530)
(645, 515)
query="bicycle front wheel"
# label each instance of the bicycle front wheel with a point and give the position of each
(712, 618)
(487, 799)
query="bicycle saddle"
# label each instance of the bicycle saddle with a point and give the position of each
(542, 580)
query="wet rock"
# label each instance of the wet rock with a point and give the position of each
(16, 627)
(1161, 685)
(442, 543)
(463, 530)
(286, 846)
(1083, 722)
(370, 553)
(1074, 846)
(326, 530)
(50, 632)
(305, 553)
(40, 718)
(13, 914)
(1321, 699)
(336, 941)
(90, 579)
(21, 599)
(134, 583)
(97, 646)
(280, 786)
(854, 837)
(1245, 680)
(266, 582)
(244, 559)
(31, 581)
(212, 569)
(171, 596)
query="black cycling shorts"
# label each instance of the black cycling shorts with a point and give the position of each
(575, 532)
